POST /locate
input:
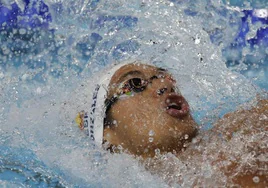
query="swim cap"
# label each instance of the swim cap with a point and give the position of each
(92, 120)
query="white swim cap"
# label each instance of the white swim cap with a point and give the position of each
(92, 120)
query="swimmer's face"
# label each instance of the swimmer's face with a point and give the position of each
(146, 112)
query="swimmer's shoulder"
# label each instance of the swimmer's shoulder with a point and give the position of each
(243, 135)
(247, 121)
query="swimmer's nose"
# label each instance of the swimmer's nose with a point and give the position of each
(165, 90)
(162, 86)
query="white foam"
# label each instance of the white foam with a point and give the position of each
(41, 116)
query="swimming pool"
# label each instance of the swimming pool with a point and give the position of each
(49, 50)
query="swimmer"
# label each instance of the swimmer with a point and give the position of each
(138, 109)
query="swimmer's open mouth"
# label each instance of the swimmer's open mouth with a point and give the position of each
(176, 105)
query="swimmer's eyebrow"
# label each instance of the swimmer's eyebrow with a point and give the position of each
(162, 70)
(130, 73)
(133, 72)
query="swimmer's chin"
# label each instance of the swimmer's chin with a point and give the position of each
(178, 144)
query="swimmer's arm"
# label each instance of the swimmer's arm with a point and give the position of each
(248, 128)
(245, 122)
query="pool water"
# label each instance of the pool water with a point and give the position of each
(216, 50)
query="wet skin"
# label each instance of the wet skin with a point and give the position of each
(158, 119)
(154, 119)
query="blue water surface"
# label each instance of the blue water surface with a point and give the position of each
(28, 39)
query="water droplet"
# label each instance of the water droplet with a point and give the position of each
(115, 122)
(256, 179)
(263, 117)
(22, 31)
(151, 133)
(45, 114)
(120, 147)
(157, 151)
(197, 40)
(151, 139)
(186, 136)
(194, 141)
(2, 75)
(38, 90)
(24, 77)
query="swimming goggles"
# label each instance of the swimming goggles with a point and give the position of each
(135, 85)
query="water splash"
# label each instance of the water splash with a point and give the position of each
(46, 77)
